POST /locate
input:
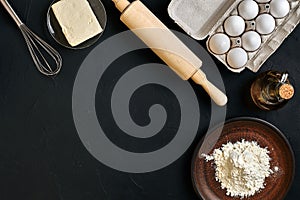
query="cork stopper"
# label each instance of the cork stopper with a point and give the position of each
(286, 91)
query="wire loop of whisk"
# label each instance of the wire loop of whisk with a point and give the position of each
(35, 45)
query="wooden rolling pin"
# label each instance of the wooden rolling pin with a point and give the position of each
(138, 18)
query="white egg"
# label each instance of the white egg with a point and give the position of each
(237, 58)
(262, 1)
(265, 24)
(279, 8)
(219, 43)
(251, 41)
(234, 26)
(248, 9)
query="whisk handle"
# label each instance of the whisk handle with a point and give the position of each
(11, 11)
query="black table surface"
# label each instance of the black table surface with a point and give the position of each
(41, 155)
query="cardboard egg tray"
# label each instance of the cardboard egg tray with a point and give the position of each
(203, 18)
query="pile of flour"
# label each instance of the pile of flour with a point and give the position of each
(241, 168)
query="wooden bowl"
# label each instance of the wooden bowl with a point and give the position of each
(250, 129)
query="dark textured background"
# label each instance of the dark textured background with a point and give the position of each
(41, 155)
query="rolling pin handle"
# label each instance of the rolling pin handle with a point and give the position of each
(121, 5)
(215, 94)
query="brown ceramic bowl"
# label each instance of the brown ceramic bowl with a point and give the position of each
(250, 129)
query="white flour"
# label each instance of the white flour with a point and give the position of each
(241, 167)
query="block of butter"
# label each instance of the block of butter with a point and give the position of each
(77, 20)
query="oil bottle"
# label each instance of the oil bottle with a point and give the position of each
(272, 90)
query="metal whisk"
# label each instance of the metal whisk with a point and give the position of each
(35, 45)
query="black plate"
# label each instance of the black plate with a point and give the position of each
(57, 34)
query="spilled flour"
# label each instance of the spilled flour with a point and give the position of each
(241, 168)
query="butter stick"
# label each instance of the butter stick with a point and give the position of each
(77, 20)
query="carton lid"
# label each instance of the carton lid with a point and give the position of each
(199, 18)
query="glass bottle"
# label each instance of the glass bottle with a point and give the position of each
(271, 90)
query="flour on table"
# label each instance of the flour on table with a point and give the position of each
(241, 168)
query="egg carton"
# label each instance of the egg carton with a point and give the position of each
(202, 19)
